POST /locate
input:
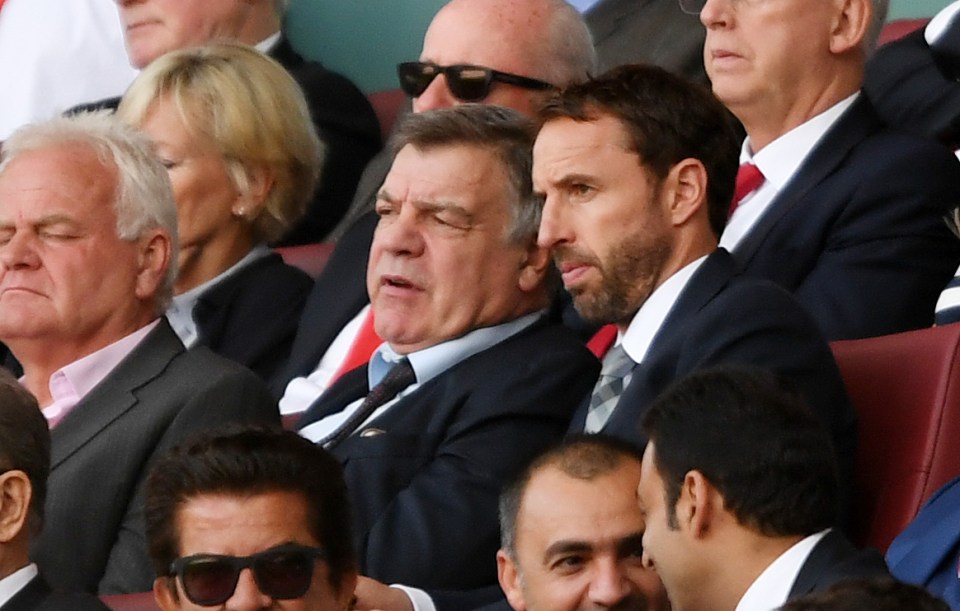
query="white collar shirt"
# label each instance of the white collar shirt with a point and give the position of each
(778, 162)
(770, 590)
(16, 581)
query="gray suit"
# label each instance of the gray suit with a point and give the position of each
(648, 31)
(93, 536)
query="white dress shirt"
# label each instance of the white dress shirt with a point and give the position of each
(14, 582)
(778, 162)
(770, 590)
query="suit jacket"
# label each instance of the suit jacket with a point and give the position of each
(857, 235)
(425, 476)
(338, 295)
(722, 316)
(93, 536)
(251, 316)
(37, 596)
(911, 92)
(832, 560)
(648, 32)
(926, 552)
(345, 122)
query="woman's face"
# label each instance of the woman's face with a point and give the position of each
(209, 205)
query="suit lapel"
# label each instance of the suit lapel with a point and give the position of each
(854, 125)
(350, 387)
(115, 395)
(29, 597)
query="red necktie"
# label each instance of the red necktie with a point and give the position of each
(1, 3)
(602, 340)
(749, 179)
(362, 347)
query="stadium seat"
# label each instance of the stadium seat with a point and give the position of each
(906, 390)
(131, 602)
(309, 257)
(898, 28)
(387, 104)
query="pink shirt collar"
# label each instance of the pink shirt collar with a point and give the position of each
(71, 383)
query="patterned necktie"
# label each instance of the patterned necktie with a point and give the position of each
(399, 377)
(749, 179)
(616, 365)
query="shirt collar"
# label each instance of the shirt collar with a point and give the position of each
(779, 160)
(266, 45)
(651, 315)
(772, 587)
(431, 362)
(14, 582)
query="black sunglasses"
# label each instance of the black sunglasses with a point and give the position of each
(281, 572)
(467, 83)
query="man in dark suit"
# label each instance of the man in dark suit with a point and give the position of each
(24, 467)
(647, 32)
(343, 117)
(544, 40)
(835, 207)
(739, 491)
(635, 194)
(87, 228)
(473, 378)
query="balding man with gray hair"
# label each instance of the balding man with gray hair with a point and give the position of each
(831, 204)
(87, 228)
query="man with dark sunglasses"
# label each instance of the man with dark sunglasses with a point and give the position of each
(250, 519)
(499, 52)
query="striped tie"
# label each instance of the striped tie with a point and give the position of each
(616, 366)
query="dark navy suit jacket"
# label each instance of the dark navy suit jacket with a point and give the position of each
(858, 235)
(37, 596)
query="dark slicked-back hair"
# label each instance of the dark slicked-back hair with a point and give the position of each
(245, 462)
(876, 594)
(583, 457)
(504, 132)
(755, 440)
(667, 119)
(24, 440)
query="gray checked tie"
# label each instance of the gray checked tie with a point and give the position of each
(616, 366)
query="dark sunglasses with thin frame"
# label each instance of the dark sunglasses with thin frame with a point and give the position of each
(467, 83)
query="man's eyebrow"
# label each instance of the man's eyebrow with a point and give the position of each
(444, 206)
(630, 542)
(566, 546)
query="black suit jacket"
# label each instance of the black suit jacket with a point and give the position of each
(345, 122)
(648, 32)
(835, 559)
(251, 316)
(37, 596)
(858, 235)
(723, 317)
(93, 536)
(425, 476)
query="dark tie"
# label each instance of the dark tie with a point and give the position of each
(399, 377)
(749, 180)
(616, 365)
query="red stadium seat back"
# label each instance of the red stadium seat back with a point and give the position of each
(906, 390)
(131, 602)
(388, 105)
(311, 258)
(898, 28)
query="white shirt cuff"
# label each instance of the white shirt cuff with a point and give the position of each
(940, 22)
(420, 599)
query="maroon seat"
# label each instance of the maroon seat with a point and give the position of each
(897, 29)
(387, 104)
(906, 390)
(131, 602)
(309, 257)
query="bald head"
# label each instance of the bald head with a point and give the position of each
(542, 39)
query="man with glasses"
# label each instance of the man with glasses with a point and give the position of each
(831, 204)
(499, 52)
(250, 519)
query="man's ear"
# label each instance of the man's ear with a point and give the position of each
(155, 257)
(697, 504)
(509, 576)
(15, 495)
(685, 188)
(165, 593)
(533, 267)
(851, 25)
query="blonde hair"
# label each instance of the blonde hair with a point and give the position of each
(253, 111)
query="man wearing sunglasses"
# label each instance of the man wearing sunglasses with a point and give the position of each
(24, 467)
(837, 208)
(250, 519)
(500, 52)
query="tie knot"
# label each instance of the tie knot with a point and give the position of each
(749, 179)
(616, 362)
(399, 377)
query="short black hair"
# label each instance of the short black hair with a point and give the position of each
(876, 594)
(667, 118)
(24, 440)
(583, 457)
(755, 440)
(246, 461)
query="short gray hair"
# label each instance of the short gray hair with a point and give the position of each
(144, 198)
